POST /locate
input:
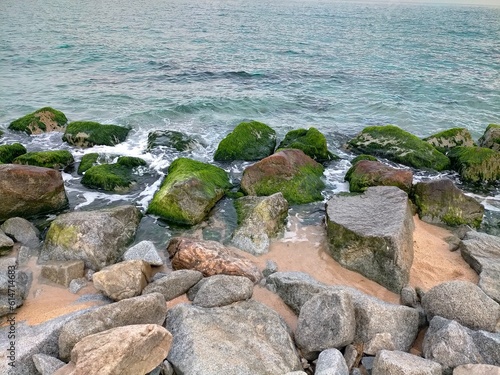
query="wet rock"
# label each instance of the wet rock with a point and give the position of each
(476, 370)
(55, 159)
(43, 120)
(222, 290)
(22, 231)
(11, 151)
(14, 285)
(62, 271)
(368, 173)
(475, 164)
(146, 251)
(490, 138)
(401, 363)
(46, 364)
(173, 139)
(174, 284)
(331, 362)
(448, 139)
(311, 141)
(87, 134)
(87, 162)
(6, 244)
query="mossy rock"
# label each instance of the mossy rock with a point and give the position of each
(44, 120)
(131, 161)
(491, 137)
(189, 191)
(476, 164)
(248, 141)
(356, 160)
(88, 160)
(172, 139)
(395, 144)
(448, 139)
(59, 159)
(311, 141)
(9, 152)
(88, 134)
(109, 177)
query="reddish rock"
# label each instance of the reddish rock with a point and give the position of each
(210, 258)
(368, 173)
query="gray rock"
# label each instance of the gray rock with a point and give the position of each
(22, 231)
(372, 234)
(24, 254)
(296, 373)
(368, 363)
(246, 336)
(221, 290)
(6, 244)
(158, 276)
(488, 344)
(356, 371)
(325, 321)
(271, 267)
(464, 302)
(400, 363)
(146, 251)
(482, 252)
(331, 362)
(351, 356)
(166, 368)
(174, 284)
(409, 297)
(476, 370)
(97, 237)
(77, 284)
(62, 271)
(14, 285)
(46, 364)
(149, 309)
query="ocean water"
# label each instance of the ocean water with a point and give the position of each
(202, 67)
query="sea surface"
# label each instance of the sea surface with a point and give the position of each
(203, 66)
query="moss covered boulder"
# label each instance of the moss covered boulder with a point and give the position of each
(393, 143)
(491, 137)
(9, 152)
(476, 164)
(291, 172)
(59, 159)
(88, 160)
(311, 141)
(189, 191)
(248, 141)
(366, 173)
(448, 139)
(131, 162)
(172, 139)
(88, 134)
(41, 121)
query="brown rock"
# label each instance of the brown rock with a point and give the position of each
(62, 272)
(210, 258)
(368, 173)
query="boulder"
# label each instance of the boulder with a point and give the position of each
(109, 177)
(401, 363)
(210, 258)
(146, 251)
(464, 302)
(441, 202)
(43, 120)
(248, 141)
(123, 280)
(88, 161)
(58, 159)
(476, 164)
(6, 243)
(14, 285)
(393, 143)
(476, 370)
(174, 284)
(172, 139)
(491, 137)
(46, 364)
(27, 191)
(291, 172)
(148, 309)
(189, 191)
(76, 285)
(331, 362)
(259, 220)
(246, 336)
(98, 237)
(311, 141)
(22, 231)
(87, 134)
(448, 139)
(372, 234)
(222, 290)
(366, 173)
(482, 252)
(62, 271)
(9, 152)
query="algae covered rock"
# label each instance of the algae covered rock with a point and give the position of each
(88, 134)
(88, 160)
(41, 121)
(9, 152)
(189, 191)
(366, 173)
(448, 139)
(476, 164)
(248, 141)
(491, 137)
(172, 139)
(311, 141)
(59, 159)
(396, 144)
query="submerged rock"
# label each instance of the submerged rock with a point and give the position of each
(172, 139)
(59, 159)
(476, 164)
(448, 139)
(311, 141)
(88, 134)
(491, 137)
(9, 152)
(88, 161)
(44, 120)
(366, 173)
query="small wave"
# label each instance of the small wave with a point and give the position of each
(65, 46)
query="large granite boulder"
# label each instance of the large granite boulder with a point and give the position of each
(174, 284)
(172, 139)
(401, 363)
(259, 220)
(372, 234)
(311, 141)
(393, 143)
(291, 172)
(43, 120)
(14, 285)
(366, 173)
(491, 137)
(441, 202)
(448, 139)
(189, 191)
(27, 191)
(88, 134)
(98, 237)
(210, 258)
(476, 164)
(9, 152)
(246, 337)
(222, 290)
(248, 141)
(55, 159)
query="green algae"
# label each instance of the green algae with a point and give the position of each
(59, 159)
(42, 120)
(9, 152)
(88, 134)
(311, 141)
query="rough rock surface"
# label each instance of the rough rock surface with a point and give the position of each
(491, 137)
(46, 364)
(331, 362)
(62, 271)
(221, 290)
(401, 363)
(476, 164)
(11, 276)
(6, 244)
(43, 120)
(146, 251)
(174, 284)
(22, 231)
(476, 370)
(366, 173)
(372, 234)
(448, 139)
(311, 141)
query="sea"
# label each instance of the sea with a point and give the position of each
(202, 67)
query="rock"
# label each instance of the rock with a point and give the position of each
(146, 251)
(28, 191)
(210, 258)
(248, 141)
(476, 370)
(331, 362)
(174, 284)
(87, 134)
(327, 320)
(448, 139)
(482, 252)
(9, 152)
(222, 290)
(271, 267)
(189, 191)
(6, 244)
(123, 280)
(62, 271)
(97, 237)
(441, 202)
(372, 234)
(366, 173)
(352, 356)
(296, 373)
(22, 231)
(476, 164)
(109, 177)
(260, 219)
(43, 120)
(172, 139)
(58, 159)
(46, 364)
(76, 285)
(246, 336)
(14, 285)
(401, 363)
(409, 297)
(395, 144)
(291, 172)
(464, 302)
(311, 141)
(148, 309)
(88, 161)
(490, 138)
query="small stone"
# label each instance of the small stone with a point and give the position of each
(368, 362)
(145, 251)
(401, 363)
(46, 364)
(62, 271)
(331, 362)
(89, 274)
(271, 267)
(77, 284)
(351, 356)
(409, 297)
